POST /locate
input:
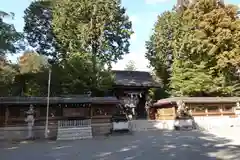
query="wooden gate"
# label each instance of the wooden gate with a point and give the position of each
(74, 129)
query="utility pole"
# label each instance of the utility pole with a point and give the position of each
(48, 98)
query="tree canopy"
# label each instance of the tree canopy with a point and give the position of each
(31, 62)
(194, 49)
(9, 44)
(130, 66)
(38, 29)
(78, 74)
(98, 27)
(9, 37)
(203, 43)
(82, 38)
(160, 45)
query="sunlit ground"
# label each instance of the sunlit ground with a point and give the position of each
(172, 145)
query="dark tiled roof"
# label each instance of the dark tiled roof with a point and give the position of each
(134, 78)
(58, 100)
(197, 100)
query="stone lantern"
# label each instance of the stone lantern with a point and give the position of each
(30, 121)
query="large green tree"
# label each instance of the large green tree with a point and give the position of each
(208, 53)
(38, 28)
(9, 44)
(77, 74)
(32, 74)
(205, 48)
(94, 29)
(160, 45)
(7, 77)
(9, 37)
(99, 27)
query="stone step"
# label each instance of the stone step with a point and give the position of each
(74, 133)
(74, 138)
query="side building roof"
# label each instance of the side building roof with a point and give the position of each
(59, 100)
(173, 100)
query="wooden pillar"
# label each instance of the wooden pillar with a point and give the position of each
(174, 111)
(91, 111)
(6, 116)
(154, 113)
(190, 108)
(221, 109)
(206, 111)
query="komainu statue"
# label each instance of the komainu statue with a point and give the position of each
(182, 109)
(183, 120)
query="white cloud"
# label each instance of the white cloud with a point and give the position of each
(155, 1)
(139, 59)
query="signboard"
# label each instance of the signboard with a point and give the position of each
(72, 112)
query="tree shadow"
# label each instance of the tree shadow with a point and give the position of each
(165, 145)
(175, 145)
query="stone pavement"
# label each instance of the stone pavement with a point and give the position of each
(165, 145)
(231, 133)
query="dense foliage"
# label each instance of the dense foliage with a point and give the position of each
(81, 38)
(9, 44)
(9, 37)
(38, 28)
(196, 51)
(94, 26)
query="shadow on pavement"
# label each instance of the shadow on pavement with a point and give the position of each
(165, 145)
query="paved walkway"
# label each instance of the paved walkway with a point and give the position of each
(165, 145)
(231, 133)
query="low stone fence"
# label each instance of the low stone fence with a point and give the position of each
(215, 122)
(63, 130)
(145, 125)
(101, 129)
(86, 129)
(203, 123)
(21, 132)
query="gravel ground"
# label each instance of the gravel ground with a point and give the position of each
(164, 145)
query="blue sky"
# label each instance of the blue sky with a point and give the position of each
(142, 13)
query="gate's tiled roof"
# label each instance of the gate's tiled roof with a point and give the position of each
(134, 78)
